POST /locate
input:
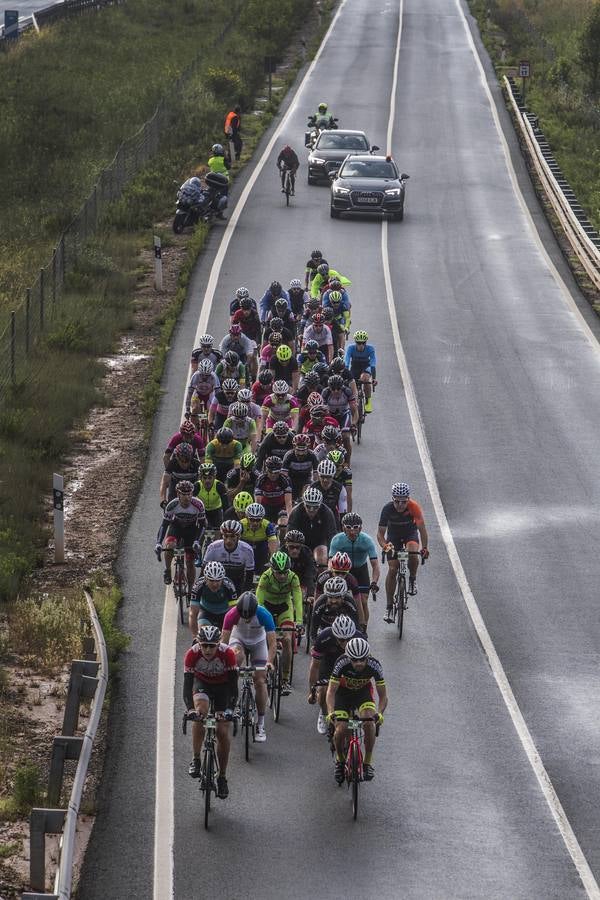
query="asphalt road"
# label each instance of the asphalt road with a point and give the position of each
(507, 385)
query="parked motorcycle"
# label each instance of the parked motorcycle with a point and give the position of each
(200, 202)
(317, 124)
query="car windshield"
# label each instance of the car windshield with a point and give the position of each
(368, 168)
(329, 140)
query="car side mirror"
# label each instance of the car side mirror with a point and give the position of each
(374, 148)
(333, 174)
(404, 177)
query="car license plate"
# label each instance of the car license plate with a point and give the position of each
(368, 200)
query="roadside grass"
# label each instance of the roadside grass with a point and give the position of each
(547, 33)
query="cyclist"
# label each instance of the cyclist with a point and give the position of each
(243, 478)
(260, 534)
(231, 366)
(238, 508)
(242, 426)
(298, 297)
(276, 325)
(284, 366)
(278, 590)
(212, 493)
(237, 341)
(212, 595)
(210, 673)
(262, 387)
(334, 493)
(187, 434)
(401, 523)
(303, 562)
(223, 397)
(266, 303)
(241, 294)
(340, 564)
(336, 600)
(182, 466)
(329, 645)
(319, 419)
(300, 464)
(322, 277)
(202, 386)
(331, 439)
(338, 367)
(288, 160)
(275, 443)
(280, 406)
(204, 350)
(309, 384)
(316, 522)
(361, 548)
(318, 331)
(340, 317)
(341, 405)
(360, 359)
(274, 491)
(246, 317)
(223, 451)
(244, 395)
(309, 356)
(235, 555)
(316, 260)
(250, 630)
(343, 472)
(183, 520)
(351, 687)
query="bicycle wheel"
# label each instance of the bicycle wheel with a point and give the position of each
(293, 637)
(180, 590)
(247, 724)
(277, 688)
(307, 623)
(356, 778)
(288, 190)
(401, 599)
(360, 418)
(208, 775)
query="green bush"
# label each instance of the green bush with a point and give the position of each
(27, 787)
(49, 630)
(224, 83)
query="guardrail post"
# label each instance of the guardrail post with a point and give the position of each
(89, 648)
(81, 682)
(64, 747)
(41, 823)
(13, 342)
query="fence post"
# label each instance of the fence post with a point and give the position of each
(64, 747)
(41, 823)
(27, 318)
(59, 517)
(41, 299)
(13, 341)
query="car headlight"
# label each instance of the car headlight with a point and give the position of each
(393, 192)
(340, 190)
(317, 161)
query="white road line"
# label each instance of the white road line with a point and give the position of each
(164, 820)
(564, 826)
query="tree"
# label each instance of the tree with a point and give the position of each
(589, 48)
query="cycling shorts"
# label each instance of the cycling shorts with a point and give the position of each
(177, 533)
(357, 368)
(220, 693)
(214, 517)
(347, 700)
(257, 653)
(344, 419)
(403, 535)
(361, 573)
(210, 618)
(283, 613)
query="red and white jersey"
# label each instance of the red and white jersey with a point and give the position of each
(214, 670)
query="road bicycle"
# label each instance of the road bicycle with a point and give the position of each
(209, 771)
(360, 408)
(353, 763)
(307, 611)
(400, 600)
(275, 674)
(180, 582)
(287, 184)
(248, 712)
(199, 416)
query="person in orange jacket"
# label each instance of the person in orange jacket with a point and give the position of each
(232, 128)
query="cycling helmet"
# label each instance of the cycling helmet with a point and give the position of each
(231, 358)
(322, 107)
(335, 284)
(275, 338)
(318, 318)
(247, 605)
(280, 561)
(184, 487)
(400, 491)
(357, 648)
(294, 536)
(206, 366)
(207, 469)
(335, 587)
(296, 285)
(238, 410)
(321, 368)
(242, 293)
(248, 461)
(230, 386)
(326, 468)
(335, 297)
(187, 428)
(314, 399)
(231, 526)
(246, 303)
(312, 497)
(330, 434)
(283, 353)
(361, 337)
(245, 395)
(281, 387)
(273, 464)
(316, 254)
(313, 303)
(311, 346)
(352, 520)
(281, 305)
(301, 441)
(276, 323)
(336, 456)
(215, 571)
(343, 628)
(340, 562)
(318, 411)
(323, 270)
(255, 511)
(275, 289)
(209, 634)
(235, 329)
(206, 340)
(242, 501)
(335, 382)
(225, 435)
(337, 365)
(184, 451)
(281, 429)
(311, 379)
(217, 150)
(265, 377)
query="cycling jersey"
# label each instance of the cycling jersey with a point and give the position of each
(359, 550)
(202, 385)
(241, 345)
(272, 492)
(243, 429)
(289, 158)
(238, 373)
(312, 266)
(360, 360)
(260, 391)
(275, 595)
(233, 481)
(305, 568)
(249, 631)
(238, 563)
(350, 580)
(178, 473)
(276, 410)
(300, 469)
(217, 452)
(197, 442)
(315, 428)
(320, 281)
(327, 645)
(214, 602)
(212, 497)
(401, 524)
(272, 446)
(325, 612)
(283, 371)
(342, 307)
(264, 532)
(215, 670)
(321, 335)
(334, 496)
(318, 530)
(249, 322)
(192, 517)
(337, 402)
(266, 303)
(347, 676)
(307, 363)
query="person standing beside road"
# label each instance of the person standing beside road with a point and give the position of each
(232, 128)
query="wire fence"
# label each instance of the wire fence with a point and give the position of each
(31, 317)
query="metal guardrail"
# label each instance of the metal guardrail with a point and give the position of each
(48, 14)
(581, 234)
(88, 680)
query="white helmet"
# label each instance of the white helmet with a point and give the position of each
(326, 467)
(343, 628)
(281, 387)
(255, 511)
(357, 648)
(209, 634)
(400, 491)
(335, 587)
(242, 292)
(206, 340)
(295, 284)
(214, 570)
(312, 497)
(205, 366)
(244, 395)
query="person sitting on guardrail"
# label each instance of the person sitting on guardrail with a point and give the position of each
(217, 162)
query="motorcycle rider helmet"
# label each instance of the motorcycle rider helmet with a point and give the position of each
(322, 107)
(217, 150)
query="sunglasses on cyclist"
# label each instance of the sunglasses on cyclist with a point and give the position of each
(208, 646)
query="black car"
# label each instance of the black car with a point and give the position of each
(331, 150)
(368, 184)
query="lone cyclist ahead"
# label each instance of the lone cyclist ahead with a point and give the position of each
(288, 160)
